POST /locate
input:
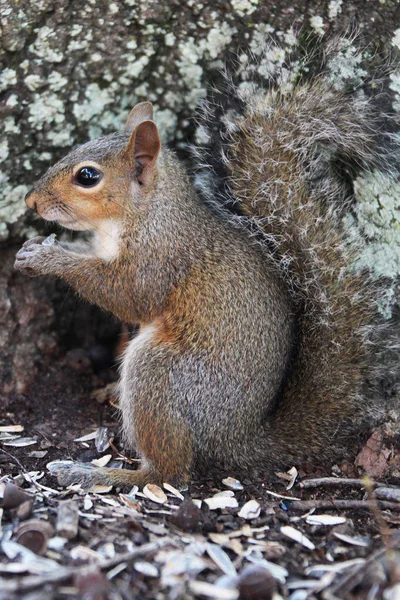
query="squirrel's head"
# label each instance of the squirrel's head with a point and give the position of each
(96, 181)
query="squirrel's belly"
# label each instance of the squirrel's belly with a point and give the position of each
(129, 374)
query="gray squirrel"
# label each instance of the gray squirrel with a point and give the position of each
(256, 338)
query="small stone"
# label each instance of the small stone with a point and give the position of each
(256, 583)
(187, 517)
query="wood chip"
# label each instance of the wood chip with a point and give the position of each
(324, 520)
(297, 536)
(173, 491)
(86, 554)
(21, 442)
(278, 572)
(38, 453)
(146, 568)
(11, 428)
(275, 495)
(102, 439)
(99, 489)
(110, 502)
(56, 543)
(33, 563)
(250, 510)
(67, 519)
(155, 493)
(202, 588)
(13, 568)
(353, 541)
(130, 501)
(232, 484)
(336, 567)
(219, 502)
(103, 461)
(87, 502)
(87, 438)
(8, 436)
(293, 473)
(221, 559)
(116, 570)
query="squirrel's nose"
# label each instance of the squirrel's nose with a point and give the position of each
(30, 201)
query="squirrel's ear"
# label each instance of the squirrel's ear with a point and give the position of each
(145, 146)
(139, 113)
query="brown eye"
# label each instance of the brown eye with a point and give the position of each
(88, 176)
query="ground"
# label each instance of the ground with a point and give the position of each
(115, 545)
(112, 55)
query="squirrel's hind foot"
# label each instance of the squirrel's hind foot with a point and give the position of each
(88, 475)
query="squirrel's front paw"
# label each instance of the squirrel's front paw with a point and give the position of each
(34, 258)
(85, 474)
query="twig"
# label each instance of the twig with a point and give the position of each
(62, 574)
(15, 459)
(351, 579)
(385, 531)
(130, 461)
(343, 504)
(333, 481)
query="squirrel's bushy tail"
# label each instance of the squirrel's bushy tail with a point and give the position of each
(288, 153)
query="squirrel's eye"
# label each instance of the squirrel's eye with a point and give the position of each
(87, 176)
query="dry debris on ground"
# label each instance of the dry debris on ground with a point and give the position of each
(301, 536)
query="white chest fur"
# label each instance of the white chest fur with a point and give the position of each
(106, 240)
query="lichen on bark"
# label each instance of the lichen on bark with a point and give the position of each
(70, 71)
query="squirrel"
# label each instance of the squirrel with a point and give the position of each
(255, 335)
